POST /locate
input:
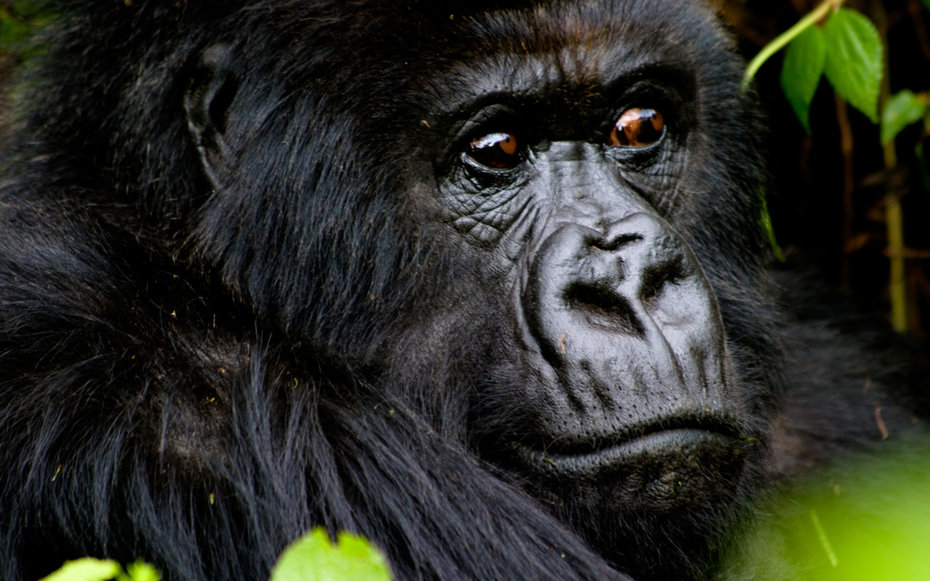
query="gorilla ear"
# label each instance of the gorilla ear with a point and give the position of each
(206, 104)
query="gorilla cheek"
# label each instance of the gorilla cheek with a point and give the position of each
(620, 323)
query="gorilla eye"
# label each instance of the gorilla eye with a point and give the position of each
(637, 128)
(496, 150)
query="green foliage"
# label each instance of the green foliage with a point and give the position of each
(19, 19)
(903, 109)
(313, 557)
(140, 571)
(848, 51)
(855, 59)
(859, 521)
(88, 569)
(845, 47)
(801, 72)
(765, 220)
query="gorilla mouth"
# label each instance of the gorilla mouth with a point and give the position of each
(660, 470)
(670, 446)
(593, 457)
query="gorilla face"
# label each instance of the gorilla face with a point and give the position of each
(616, 332)
(559, 166)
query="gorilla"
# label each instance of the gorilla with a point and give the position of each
(486, 282)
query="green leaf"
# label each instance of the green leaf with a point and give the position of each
(140, 571)
(86, 569)
(313, 557)
(901, 110)
(927, 4)
(765, 219)
(801, 71)
(854, 60)
(19, 20)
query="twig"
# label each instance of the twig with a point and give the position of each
(780, 41)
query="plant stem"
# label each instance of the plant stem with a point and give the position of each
(814, 16)
(894, 219)
(897, 284)
(847, 145)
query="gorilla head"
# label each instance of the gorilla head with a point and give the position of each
(534, 210)
(482, 281)
(568, 165)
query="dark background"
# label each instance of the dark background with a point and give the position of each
(811, 219)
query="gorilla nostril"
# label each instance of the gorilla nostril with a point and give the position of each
(603, 307)
(657, 276)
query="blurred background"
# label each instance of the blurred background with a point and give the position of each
(832, 185)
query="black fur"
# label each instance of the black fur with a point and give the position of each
(197, 365)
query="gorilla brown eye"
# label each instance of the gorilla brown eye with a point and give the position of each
(637, 128)
(496, 150)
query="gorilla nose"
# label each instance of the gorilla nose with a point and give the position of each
(622, 305)
(612, 278)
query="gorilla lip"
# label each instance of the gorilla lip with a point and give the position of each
(670, 442)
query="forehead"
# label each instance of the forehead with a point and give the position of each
(571, 47)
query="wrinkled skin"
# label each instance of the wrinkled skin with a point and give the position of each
(484, 282)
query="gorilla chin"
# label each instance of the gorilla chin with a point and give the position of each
(690, 484)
